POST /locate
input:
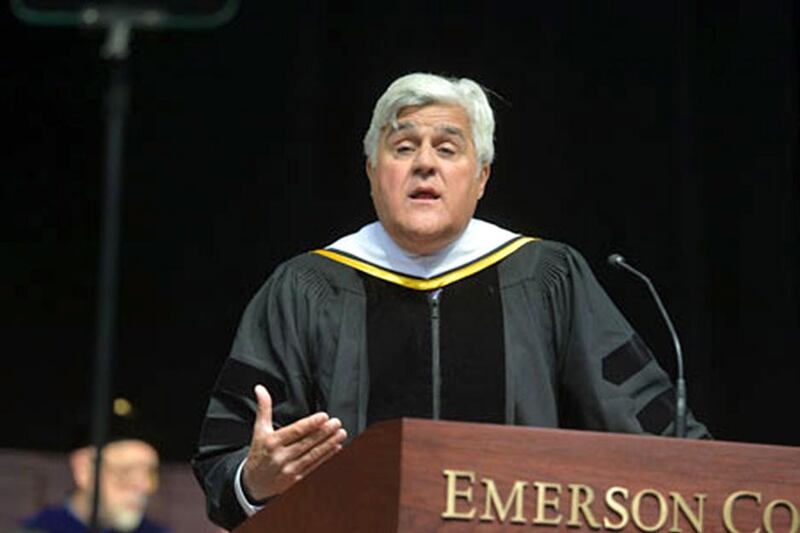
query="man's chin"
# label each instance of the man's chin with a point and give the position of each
(426, 239)
(125, 521)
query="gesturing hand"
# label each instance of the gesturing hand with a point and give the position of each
(278, 459)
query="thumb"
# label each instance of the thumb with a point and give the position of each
(264, 412)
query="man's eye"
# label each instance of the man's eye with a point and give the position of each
(404, 149)
(446, 150)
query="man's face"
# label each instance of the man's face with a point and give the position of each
(129, 476)
(426, 181)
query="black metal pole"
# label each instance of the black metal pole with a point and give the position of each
(116, 104)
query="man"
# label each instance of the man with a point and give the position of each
(425, 313)
(129, 475)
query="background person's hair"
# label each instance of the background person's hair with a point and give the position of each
(421, 89)
(130, 424)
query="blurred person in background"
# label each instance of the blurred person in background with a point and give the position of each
(128, 478)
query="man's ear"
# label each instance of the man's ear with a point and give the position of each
(483, 178)
(82, 463)
(369, 168)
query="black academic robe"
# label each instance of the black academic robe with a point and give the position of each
(525, 335)
(60, 519)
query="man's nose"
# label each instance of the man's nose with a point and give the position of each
(425, 162)
(142, 480)
(143, 488)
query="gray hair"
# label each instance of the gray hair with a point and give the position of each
(420, 89)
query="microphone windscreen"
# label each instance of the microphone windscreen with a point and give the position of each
(615, 259)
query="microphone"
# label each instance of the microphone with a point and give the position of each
(616, 260)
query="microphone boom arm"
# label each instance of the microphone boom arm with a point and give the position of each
(680, 383)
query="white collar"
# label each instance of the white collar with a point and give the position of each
(374, 245)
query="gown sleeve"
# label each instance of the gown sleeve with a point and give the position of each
(609, 379)
(271, 347)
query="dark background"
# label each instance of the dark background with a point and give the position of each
(666, 131)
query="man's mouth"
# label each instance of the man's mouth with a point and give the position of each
(137, 504)
(424, 194)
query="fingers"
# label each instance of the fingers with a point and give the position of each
(264, 411)
(279, 458)
(301, 429)
(320, 453)
(296, 469)
(296, 438)
(306, 444)
(296, 431)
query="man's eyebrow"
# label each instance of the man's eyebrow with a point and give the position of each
(452, 130)
(400, 126)
(408, 125)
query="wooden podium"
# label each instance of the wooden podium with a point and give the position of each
(421, 476)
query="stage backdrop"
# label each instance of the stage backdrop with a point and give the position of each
(665, 131)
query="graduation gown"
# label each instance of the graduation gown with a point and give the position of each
(59, 519)
(523, 334)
